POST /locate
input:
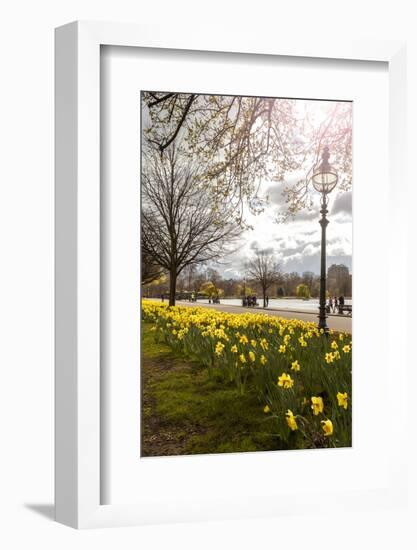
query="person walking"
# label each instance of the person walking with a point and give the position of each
(330, 305)
(267, 300)
(335, 304)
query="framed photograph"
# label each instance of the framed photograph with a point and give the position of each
(232, 354)
(221, 210)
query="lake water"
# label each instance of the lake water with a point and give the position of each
(284, 303)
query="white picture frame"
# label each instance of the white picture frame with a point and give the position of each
(77, 242)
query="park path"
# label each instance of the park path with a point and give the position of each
(335, 322)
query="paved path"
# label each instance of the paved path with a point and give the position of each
(336, 322)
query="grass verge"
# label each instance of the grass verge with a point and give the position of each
(184, 411)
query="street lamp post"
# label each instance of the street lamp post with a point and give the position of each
(324, 180)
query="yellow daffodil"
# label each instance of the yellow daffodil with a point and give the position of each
(242, 358)
(327, 426)
(317, 405)
(219, 333)
(252, 356)
(285, 381)
(346, 349)
(329, 358)
(253, 343)
(264, 344)
(342, 399)
(219, 348)
(282, 349)
(267, 409)
(291, 420)
(263, 360)
(334, 345)
(295, 365)
(243, 339)
(233, 349)
(303, 343)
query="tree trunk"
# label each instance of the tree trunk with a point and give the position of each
(172, 286)
(264, 296)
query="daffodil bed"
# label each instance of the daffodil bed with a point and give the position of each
(302, 377)
(186, 412)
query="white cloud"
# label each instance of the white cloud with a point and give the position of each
(343, 204)
(295, 243)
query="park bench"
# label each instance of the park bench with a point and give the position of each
(347, 308)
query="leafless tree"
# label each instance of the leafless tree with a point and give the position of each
(263, 270)
(181, 226)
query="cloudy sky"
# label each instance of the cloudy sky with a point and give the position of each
(295, 244)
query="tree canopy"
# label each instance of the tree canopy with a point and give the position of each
(242, 141)
(303, 291)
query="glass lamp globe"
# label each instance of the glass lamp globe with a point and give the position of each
(324, 176)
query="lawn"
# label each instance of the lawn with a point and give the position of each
(186, 411)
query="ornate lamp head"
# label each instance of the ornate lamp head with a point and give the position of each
(324, 176)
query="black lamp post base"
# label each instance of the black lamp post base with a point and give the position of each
(322, 324)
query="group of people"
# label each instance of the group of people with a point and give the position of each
(249, 301)
(335, 303)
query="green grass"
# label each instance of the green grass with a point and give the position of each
(186, 411)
